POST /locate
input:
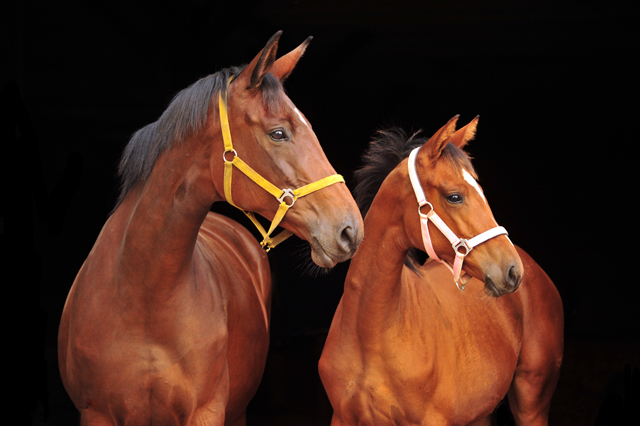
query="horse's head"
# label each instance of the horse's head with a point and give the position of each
(274, 138)
(449, 183)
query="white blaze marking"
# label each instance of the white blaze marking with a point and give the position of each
(301, 116)
(471, 181)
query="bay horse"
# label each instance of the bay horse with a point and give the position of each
(167, 321)
(410, 342)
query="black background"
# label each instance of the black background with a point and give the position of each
(556, 152)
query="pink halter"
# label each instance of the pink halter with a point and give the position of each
(462, 247)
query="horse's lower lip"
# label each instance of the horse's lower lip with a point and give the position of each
(320, 256)
(491, 289)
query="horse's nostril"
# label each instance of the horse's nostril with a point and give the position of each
(348, 239)
(513, 276)
(347, 236)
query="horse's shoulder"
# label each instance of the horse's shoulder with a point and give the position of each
(540, 297)
(221, 224)
(536, 284)
(226, 242)
(221, 231)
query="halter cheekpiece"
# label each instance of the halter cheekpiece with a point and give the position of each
(462, 247)
(286, 197)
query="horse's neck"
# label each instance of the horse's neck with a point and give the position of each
(164, 216)
(374, 280)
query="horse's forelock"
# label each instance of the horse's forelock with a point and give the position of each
(272, 94)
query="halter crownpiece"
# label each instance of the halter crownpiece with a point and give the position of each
(286, 197)
(462, 247)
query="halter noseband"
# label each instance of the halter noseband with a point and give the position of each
(286, 197)
(462, 247)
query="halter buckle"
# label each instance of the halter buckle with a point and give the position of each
(288, 192)
(462, 245)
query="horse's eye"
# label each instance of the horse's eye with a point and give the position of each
(455, 198)
(278, 135)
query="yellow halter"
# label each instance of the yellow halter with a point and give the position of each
(280, 194)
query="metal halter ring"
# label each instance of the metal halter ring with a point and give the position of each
(462, 244)
(288, 193)
(420, 206)
(224, 155)
(460, 286)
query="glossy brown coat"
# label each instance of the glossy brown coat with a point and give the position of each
(167, 320)
(409, 348)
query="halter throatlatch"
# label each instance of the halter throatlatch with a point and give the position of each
(286, 197)
(461, 247)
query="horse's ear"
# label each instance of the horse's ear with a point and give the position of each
(283, 66)
(465, 134)
(251, 77)
(439, 140)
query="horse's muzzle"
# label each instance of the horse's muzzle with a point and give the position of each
(338, 244)
(497, 284)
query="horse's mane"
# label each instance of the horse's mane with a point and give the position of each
(386, 150)
(185, 115)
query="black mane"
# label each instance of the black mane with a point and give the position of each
(185, 115)
(386, 150)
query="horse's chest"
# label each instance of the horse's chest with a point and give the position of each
(456, 364)
(145, 352)
(482, 350)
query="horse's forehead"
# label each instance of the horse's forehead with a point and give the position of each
(474, 184)
(300, 116)
(289, 108)
(277, 107)
(285, 110)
